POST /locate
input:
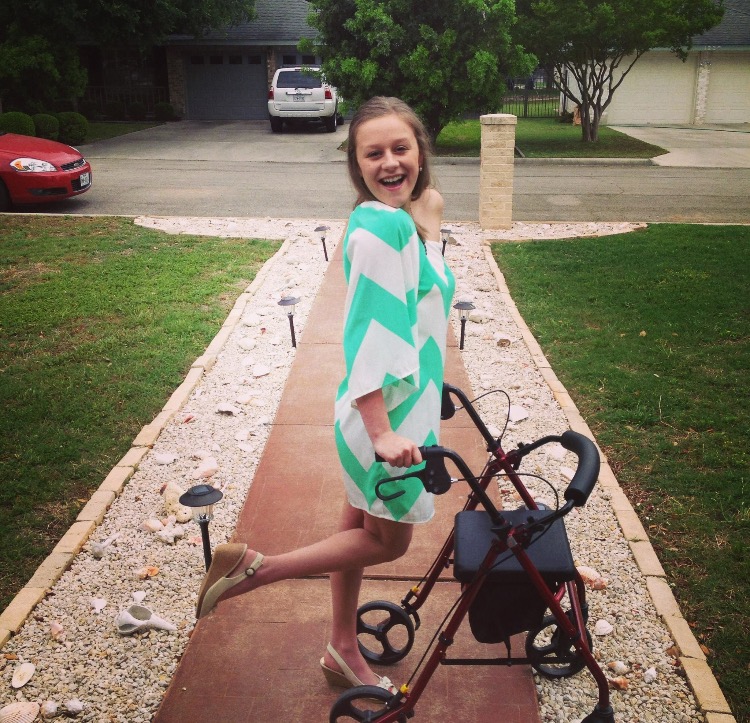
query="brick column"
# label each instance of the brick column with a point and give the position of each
(701, 88)
(496, 171)
(176, 79)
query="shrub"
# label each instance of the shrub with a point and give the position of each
(90, 109)
(137, 111)
(47, 126)
(65, 105)
(73, 127)
(114, 110)
(16, 122)
(164, 112)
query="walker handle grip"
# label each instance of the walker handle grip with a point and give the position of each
(587, 473)
(434, 476)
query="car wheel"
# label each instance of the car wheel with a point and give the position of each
(330, 123)
(276, 124)
(4, 198)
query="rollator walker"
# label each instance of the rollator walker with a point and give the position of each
(516, 574)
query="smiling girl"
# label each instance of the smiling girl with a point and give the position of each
(399, 293)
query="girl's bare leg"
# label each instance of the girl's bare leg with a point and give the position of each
(345, 587)
(362, 541)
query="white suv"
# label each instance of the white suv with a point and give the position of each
(301, 93)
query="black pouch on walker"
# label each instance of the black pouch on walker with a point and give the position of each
(507, 602)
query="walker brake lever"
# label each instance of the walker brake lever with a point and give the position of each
(434, 476)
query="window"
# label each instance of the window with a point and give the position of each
(289, 60)
(197, 60)
(254, 60)
(298, 79)
(216, 60)
(308, 60)
(235, 60)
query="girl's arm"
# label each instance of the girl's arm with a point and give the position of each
(396, 450)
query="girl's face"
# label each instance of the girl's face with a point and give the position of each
(389, 159)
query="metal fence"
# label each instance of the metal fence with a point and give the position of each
(531, 103)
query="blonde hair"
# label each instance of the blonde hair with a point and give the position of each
(378, 107)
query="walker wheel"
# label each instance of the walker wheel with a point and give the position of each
(551, 652)
(385, 632)
(363, 703)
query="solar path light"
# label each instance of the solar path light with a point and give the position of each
(290, 302)
(321, 231)
(201, 500)
(464, 309)
(445, 234)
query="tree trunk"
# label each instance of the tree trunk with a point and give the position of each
(590, 118)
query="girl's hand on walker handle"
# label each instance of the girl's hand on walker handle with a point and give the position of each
(396, 450)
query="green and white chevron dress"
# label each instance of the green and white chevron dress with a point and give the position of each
(395, 323)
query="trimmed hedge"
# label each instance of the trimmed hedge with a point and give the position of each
(16, 122)
(137, 111)
(73, 127)
(47, 126)
(114, 110)
(164, 112)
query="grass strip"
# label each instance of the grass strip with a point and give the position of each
(100, 321)
(650, 334)
(546, 138)
(103, 130)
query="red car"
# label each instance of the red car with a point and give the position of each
(35, 170)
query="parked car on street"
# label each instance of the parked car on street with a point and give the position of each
(301, 93)
(36, 170)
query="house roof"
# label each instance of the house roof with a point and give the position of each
(276, 22)
(733, 31)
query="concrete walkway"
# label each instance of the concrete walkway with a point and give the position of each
(255, 658)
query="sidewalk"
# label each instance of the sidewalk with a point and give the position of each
(255, 658)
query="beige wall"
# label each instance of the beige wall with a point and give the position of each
(710, 87)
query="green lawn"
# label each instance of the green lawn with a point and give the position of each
(100, 322)
(102, 130)
(650, 334)
(546, 138)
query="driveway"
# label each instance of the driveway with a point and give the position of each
(225, 141)
(242, 169)
(709, 146)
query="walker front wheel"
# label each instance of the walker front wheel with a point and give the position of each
(385, 632)
(364, 703)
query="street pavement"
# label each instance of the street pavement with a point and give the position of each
(241, 169)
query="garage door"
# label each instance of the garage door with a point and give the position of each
(729, 88)
(229, 85)
(659, 89)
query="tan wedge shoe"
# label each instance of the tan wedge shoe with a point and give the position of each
(216, 582)
(346, 678)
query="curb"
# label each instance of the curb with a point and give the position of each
(708, 695)
(57, 562)
(475, 161)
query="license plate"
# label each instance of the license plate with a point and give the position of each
(299, 98)
(84, 179)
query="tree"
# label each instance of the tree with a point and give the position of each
(594, 44)
(38, 61)
(445, 59)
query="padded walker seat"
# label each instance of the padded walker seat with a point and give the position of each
(549, 550)
(507, 601)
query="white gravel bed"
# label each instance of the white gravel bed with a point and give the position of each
(123, 678)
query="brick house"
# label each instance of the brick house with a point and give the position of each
(225, 75)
